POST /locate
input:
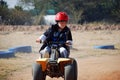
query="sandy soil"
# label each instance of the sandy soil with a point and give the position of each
(89, 68)
(93, 64)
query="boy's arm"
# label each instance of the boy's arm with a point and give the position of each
(44, 36)
(69, 41)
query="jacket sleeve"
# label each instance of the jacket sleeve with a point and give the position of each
(47, 32)
(70, 36)
(45, 35)
(69, 39)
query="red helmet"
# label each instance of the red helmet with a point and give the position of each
(61, 16)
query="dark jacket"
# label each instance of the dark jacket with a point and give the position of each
(53, 34)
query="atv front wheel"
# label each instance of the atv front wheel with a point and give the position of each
(37, 72)
(70, 71)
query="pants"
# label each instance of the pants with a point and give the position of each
(46, 51)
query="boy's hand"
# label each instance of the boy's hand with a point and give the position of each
(38, 41)
(68, 43)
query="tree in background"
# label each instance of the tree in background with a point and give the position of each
(19, 17)
(116, 9)
(79, 11)
(101, 10)
(39, 7)
(4, 12)
(16, 16)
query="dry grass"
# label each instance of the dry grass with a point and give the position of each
(82, 49)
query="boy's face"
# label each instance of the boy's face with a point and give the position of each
(62, 24)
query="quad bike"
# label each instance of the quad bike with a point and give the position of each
(54, 66)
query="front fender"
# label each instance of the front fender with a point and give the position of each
(43, 62)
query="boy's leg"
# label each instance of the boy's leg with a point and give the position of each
(63, 52)
(45, 53)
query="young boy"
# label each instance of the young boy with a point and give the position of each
(57, 33)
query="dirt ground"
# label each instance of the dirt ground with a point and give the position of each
(93, 64)
(89, 68)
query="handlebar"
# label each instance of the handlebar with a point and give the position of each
(51, 42)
